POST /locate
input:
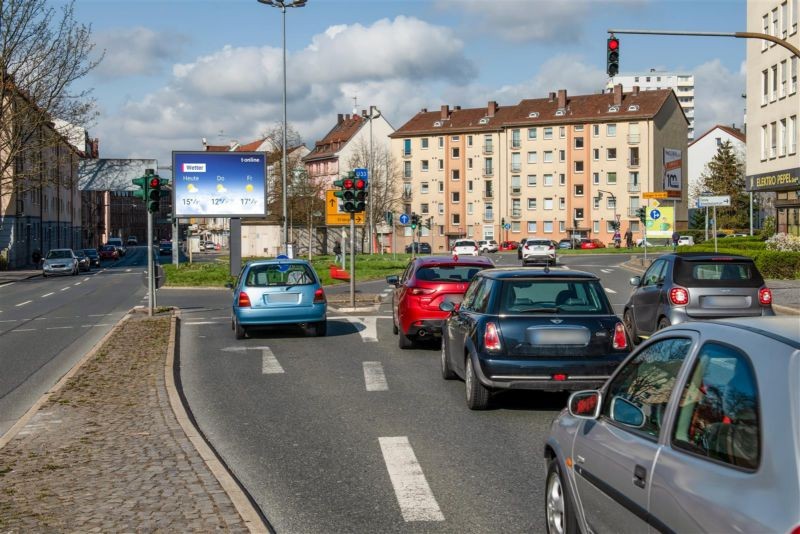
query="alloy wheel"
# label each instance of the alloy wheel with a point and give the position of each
(555, 504)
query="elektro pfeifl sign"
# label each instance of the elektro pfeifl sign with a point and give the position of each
(219, 184)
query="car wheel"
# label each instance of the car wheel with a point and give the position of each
(447, 371)
(321, 328)
(663, 323)
(241, 332)
(558, 506)
(44, 274)
(403, 341)
(395, 330)
(630, 328)
(477, 394)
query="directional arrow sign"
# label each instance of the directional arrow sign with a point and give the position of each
(715, 201)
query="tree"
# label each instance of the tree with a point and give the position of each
(725, 175)
(274, 138)
(43, 52)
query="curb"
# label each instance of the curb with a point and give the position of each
(241, 501)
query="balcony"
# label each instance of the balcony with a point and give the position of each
(407, 176)
(634, 188)
(488, 194)
(488, 172)
(488, 148)
(516, 167)
(633, 139)
(516, 144)
(516, 213)
(405, 154)
(632, 211)
(633, 163)
(407, 195)
(488, 216)
(516, 191)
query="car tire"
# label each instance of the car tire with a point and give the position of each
(403, 341)
(662, 323)
(477, 393)
(44, 274)
(447, 371)
(321, 328)
(395, 330)
(559, 512)
(241, 332)
(630, 328)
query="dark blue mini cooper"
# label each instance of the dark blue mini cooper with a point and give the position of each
(531, 329)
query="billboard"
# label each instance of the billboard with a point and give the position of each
(219, 184)
(672, 169)
(660, 222)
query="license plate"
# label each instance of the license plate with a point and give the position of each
(283, 298)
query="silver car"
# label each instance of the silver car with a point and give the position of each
(60, 261)
(697, 431)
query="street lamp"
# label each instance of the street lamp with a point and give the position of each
(614, 199)
(374, 113)
(282, 5)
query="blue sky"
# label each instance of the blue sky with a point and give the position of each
(178, 71)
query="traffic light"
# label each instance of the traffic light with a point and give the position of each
(361, 194)
(430, 223)
(612, 56)
(143, 183)
(414, 221)
(153, 193)
(641, 214)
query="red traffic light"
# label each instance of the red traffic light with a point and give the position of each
(348, 183)
(360, 184)
(155, 182)
(613, 44)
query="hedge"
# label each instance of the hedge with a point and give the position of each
(772, 263)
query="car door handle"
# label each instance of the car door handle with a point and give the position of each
(639, 476)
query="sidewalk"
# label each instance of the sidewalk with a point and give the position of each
(16, 276)
(111, 449)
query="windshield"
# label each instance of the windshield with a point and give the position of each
(448, 273)
(80, 253)
(566, 296)
(109, 248)
(59, 254)
(270, 275)
(90, 252)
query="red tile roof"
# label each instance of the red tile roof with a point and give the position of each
(738, 134)
(346, 127)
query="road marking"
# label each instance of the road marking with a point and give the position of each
(607, 270)
(11, 320)
(374, 377)
(78, 283)
(47, 295)
(24, 330)
(24, 303)
(414, 496)
(64, 288)
(370, 332)
(610, 291)
(97, 315)
(201, 322)
(58, 327)
(128, 270)
(269, 363)
(86, 279)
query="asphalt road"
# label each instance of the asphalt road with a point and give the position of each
(348, 433)
(48, 324)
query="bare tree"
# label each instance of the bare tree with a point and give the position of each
(43, 51)
(274, 139)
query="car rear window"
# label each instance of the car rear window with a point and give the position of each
(538, 242)
(271, 275)
(567, 296)
(448, 273)
(465, 244)
(709, 273)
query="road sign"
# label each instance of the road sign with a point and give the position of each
(655, 194)
(361, 173)
(335, 215)
(715, 201)
(403, 218)
(507, 226)
(654, 203)
(655, 215)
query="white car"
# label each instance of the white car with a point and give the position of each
(539, 251)
(685, 241)
(465, 247)
(488, 246)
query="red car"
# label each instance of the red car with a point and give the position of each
(592, 243)
(427, 282)
(509, 245)
(109, 252)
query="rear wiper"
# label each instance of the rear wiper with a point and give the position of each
(540, 310)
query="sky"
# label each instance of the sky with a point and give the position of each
(177, 71)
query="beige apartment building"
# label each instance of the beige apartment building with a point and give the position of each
(549, 167)
(773, 107)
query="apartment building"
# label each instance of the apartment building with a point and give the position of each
(550, 167)
(773, 106)
(703, 149)
(682, 83)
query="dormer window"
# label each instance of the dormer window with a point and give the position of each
(437, 124)
(560, 112)
(633, 107)
(484, 120)
(533, 115)
(613, 109)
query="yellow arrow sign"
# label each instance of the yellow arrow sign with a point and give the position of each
(654, 203)
(335, 215)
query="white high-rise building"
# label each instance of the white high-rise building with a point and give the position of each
(681, 83)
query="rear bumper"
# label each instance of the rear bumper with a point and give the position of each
(539, 259)
(412, 321)
(256, 317)
(681, 315)
(426, 327)
(537, 374)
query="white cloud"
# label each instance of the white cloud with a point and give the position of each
(136, 51)
(718, 96)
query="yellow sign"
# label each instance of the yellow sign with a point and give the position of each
(660, 222)
(655, 194)
(335, 215)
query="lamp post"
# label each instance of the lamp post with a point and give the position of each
(374, 113)
(282, 5)
(614, 199)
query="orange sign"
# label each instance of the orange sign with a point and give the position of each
(662, 194)
(335, 215)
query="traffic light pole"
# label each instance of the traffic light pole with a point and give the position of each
(352, 260)
(740, 35)
(151, 286)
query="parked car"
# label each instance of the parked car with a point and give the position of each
(488, 246)
(641, 242)
(94, 257)
(109, 252)
(736, 235)
(535, 329)
(686, 241)
(132, 241)
(569, 243)
(60, 261)
(465, 247)
(84, 263)
(509, 245)
(117, 242)
(539, 251)
(278, 292)
(520, 247)
(695, 432)
(425, 283)
(419, 247)
(164, 248)
(592, 243)
(209, 245)
(689, 286)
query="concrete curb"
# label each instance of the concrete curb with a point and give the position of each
(251, 517)
(19, 425)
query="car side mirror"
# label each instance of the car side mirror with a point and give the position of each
(636, 280)
(585, 404)
(393, 280)
(625, 412)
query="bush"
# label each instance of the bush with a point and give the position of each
(768, 228)
(785, 242)
(778, 264)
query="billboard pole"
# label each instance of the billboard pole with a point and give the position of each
(352, 260)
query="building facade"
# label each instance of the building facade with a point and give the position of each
(773, 107)
(681, 83)
(551, 167)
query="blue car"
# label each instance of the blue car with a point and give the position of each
(275, 292)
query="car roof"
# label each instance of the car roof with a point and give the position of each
(783, 328)
(700, 256)
(465, 260)
(504, 273)
(276, 261)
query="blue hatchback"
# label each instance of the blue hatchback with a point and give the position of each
(280, 291)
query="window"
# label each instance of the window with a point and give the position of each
(795, 9)
(611, 154)
(441, 187)
(532, 180)
(611, 130)
(764, 86)
(579, 190)
(596, 154)
(516, 164)
(531, 203)
(548, 156)
(515, 184)
(454, 138)
(562, 156)
(548, 204)
(488, 212)
(610, 227)
(562, 226)
(406, 169)
(640, 391)
(578, 166)
(516, 207)
(596, 227)
(611, 203)
(773, 139)
(455, 152)
(793, 76)
(578, 213)
(515, 227)
(455, 197)
(784, 75)
(423, 187)
(469, 208)
(424, 165)
(441, 209)
(611, 178)
(579, 128)
(773, 87)
(782, 139)
(596, 203)
(579, 142)
(469, 140)
(441, 164)
(488, 167)
(469, 163)
(424, 208)
(548, 179)
(718, 414)
(792, 142)
(469, 186)
(562, 203)
(531, 227)
(596, 178)
(455, 174)
(548, 227)
(533, 157)
(516, 141)
(532, 133)
(562, 132)
(548, 133)
(562, 179)
(774, 25)
(764, 142)
(441, 142)
(595, 130)
(406, 147)
(456, 219)
(423, 143)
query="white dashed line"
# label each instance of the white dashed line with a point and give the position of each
(24, 303)
(96, 315)
(64, 288)
(58, 328)
(610, 291)
(86, 279)
(607, 270)
(374, 378)
(414, 496)
(24, 330)
(269, 363)
(200, 322)
(78, 283)
(47, 295)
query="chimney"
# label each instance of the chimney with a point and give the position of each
(618, 94)
(363, 113)
(96, 148)
(339, 118)
(445, 112)
(423, 110)
(491, 109)
(551, 96)
(456, 108)
(562, 98)
(635, 90)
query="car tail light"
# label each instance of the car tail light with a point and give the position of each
(421, 291)
(765, 299)
(319, 296)
(491, 337)
(679, 296)
(551, 247)
(796, 530)
(559, 377)
(244, 300)
(620, 339)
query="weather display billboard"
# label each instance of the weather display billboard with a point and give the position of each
(219, 184)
